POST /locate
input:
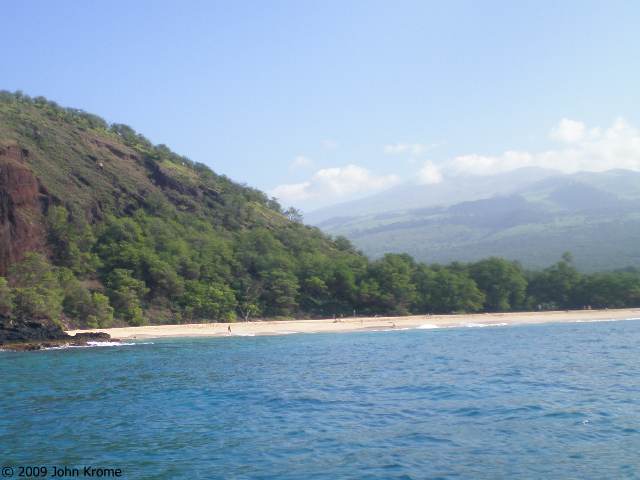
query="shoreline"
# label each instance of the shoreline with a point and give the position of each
(351, 324)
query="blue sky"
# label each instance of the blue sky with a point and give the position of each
(323, 101)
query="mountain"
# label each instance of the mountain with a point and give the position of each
(596, 216)
(449, 192)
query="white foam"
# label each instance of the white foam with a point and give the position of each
(243, 334)
(598, 320)
(390, 329)
(427, 326)
(98, 344)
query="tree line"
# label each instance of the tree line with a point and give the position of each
(146, 268)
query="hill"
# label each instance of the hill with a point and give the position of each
(137, 230)
(596, 216)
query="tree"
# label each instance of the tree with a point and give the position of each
(279, 293)
(396, 292)
(609, 290)
(445, 291)
(77, 302)
(126, 293)
(72, 240)
(209, 301)
(502, 282)
(554, 287)
(343, 288)
(36, 289)
(6, 298)
(102, 312)
(248, 291)
(293, 214)
(343, 243)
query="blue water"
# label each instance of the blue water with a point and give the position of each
(548, 401)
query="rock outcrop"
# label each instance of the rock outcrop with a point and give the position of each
(39, 334)
(22, 200)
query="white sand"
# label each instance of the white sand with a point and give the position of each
(284, 327)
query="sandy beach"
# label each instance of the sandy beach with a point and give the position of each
(284, 327)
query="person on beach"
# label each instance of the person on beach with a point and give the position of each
(229, 329)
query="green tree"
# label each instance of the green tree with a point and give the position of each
(554, 287)
(6, 298)
(77, 302)
(293, 214)
(279, 293)
(102, 315)
(36, 289)
(126, 294)
(396, 292)
(211, 301)
(72, 240)
(445, 291)
(503, 283)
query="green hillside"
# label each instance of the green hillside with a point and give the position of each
(163, 238)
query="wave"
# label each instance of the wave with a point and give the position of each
(482, 325)
(389, 329)
(598, 320)
(427, 326)
(98, 345)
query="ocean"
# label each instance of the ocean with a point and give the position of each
(526, 402)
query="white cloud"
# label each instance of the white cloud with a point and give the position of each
(568, 131)
(292, 191)
(334, 183)
(595, 149)
(406, 148)
(429, 174)
(301, 162)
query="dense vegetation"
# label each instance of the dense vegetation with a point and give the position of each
(148, 236)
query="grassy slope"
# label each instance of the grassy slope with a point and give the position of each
(93, 169)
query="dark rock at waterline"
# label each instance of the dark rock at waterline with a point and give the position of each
(92, 337)
(36, 335)
(12, 331)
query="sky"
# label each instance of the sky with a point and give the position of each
(321, 102)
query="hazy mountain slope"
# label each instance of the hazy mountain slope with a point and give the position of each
(449, 192)
(594, 215)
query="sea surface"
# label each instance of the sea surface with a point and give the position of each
(527, 402)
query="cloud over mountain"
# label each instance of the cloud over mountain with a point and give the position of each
(581, 149)
(336, 182)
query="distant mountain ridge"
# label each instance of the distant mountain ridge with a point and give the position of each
(594, 215)
(451, 191)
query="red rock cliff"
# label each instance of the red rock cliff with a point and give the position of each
(21, 205)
